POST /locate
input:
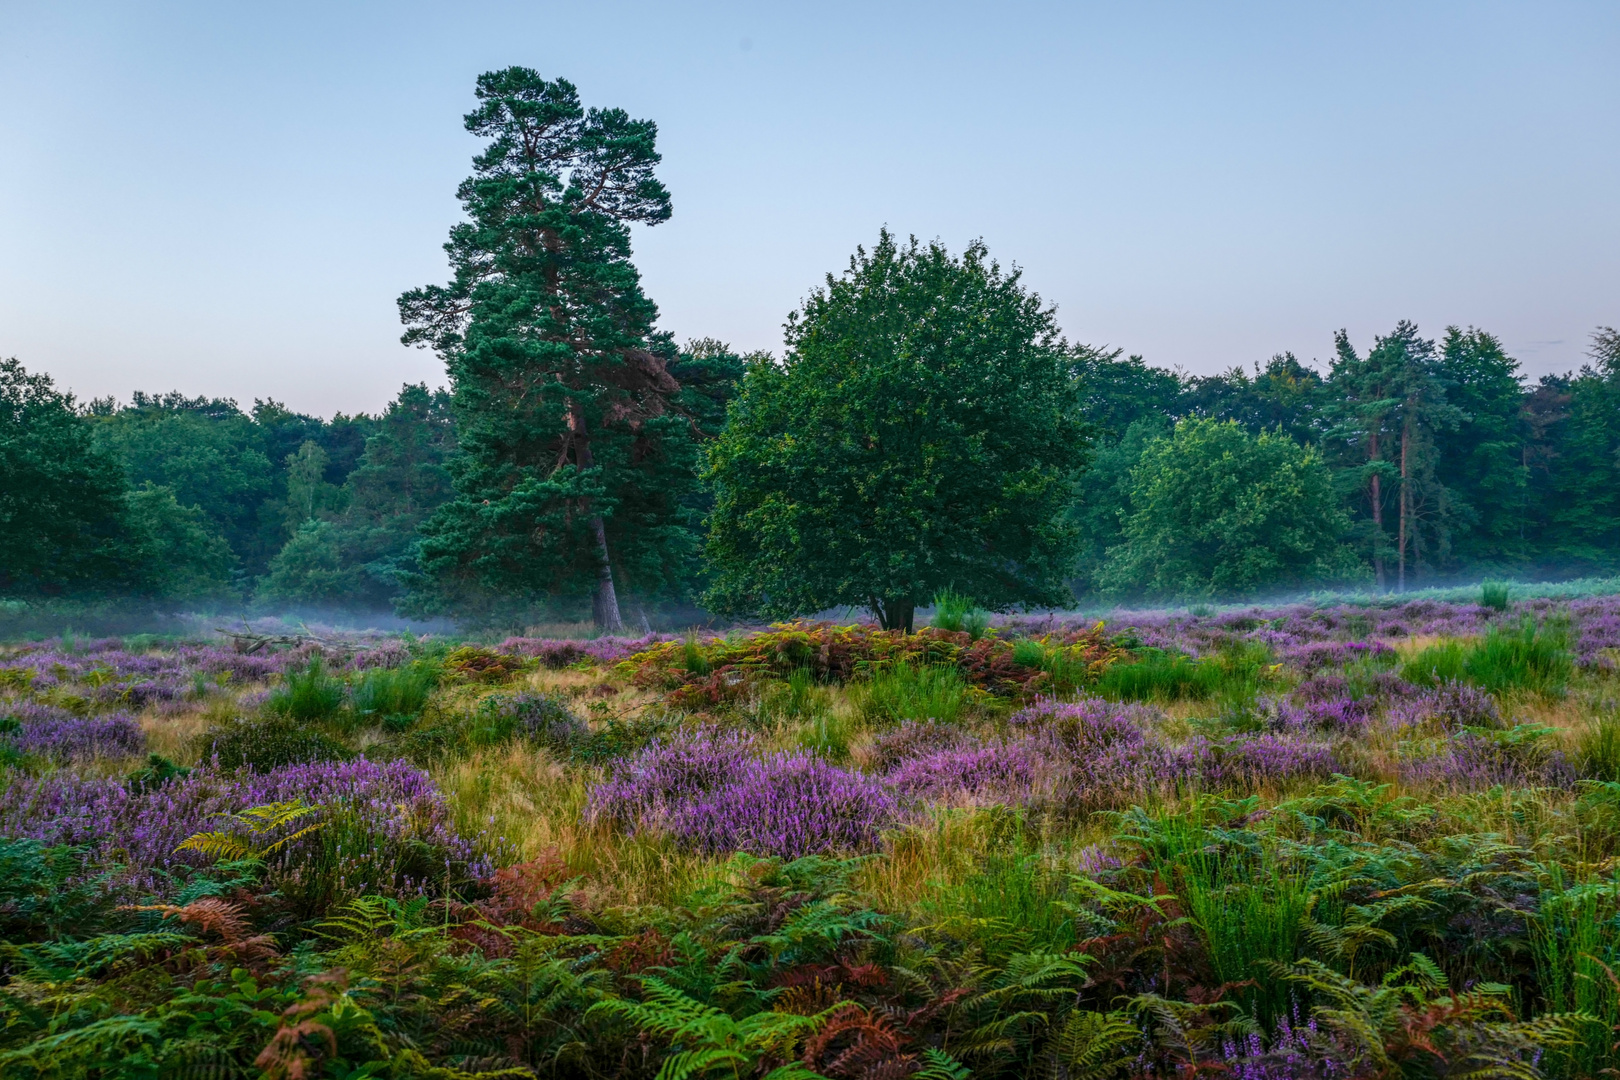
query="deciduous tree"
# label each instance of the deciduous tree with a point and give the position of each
(922, 432)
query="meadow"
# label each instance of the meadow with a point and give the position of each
(1327, 840)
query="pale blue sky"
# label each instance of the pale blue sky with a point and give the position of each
(227, 198)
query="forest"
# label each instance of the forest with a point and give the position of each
(760, 733)
(926, 427)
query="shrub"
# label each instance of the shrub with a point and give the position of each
(1495, 595)
(1004, 770)
(310, 694)
(58, 735)
(716, 796)
(261, 745)
(543, 719)
(787, 805)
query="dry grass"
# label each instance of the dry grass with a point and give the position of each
(533, 804)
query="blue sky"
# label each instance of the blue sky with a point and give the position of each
(227, 198)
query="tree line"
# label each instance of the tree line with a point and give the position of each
(927, 428)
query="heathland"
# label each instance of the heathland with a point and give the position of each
(1321, 840)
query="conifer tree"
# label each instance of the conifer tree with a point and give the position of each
(573, 461)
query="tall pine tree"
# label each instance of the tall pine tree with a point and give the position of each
(573, 459)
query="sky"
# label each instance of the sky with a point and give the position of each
(227, 198)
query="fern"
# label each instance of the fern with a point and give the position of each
(1095, 1045)
(224, 846)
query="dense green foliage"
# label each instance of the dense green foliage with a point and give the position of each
(925, 432)
(1215, 510)
(574, 458)
(922, 432)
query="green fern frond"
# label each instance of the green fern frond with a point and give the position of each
(219, 846)
(938, 1065)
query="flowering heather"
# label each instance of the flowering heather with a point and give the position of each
(1476, 760)
(787, 805)
(561, 652)
(1340, 714)
(61, 736)
(1004, 770)
(917, 738)
(393, 803)
(1251, 761)
(667, 775)
(1451, 707)
(717, 796)
(1316, 655)
(1089, 724)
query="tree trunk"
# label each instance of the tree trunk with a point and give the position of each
(1406, 439)
(1378, 515)
(894, 614)
(605, 604)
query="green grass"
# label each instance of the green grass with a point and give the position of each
(1573, 938)
(393, 695)
(310, 694)
(1232, 675)
(1524, 657)
(956, 613)
(1598, 748)
(904, 692)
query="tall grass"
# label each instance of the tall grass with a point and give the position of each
(1524, 657)
(956, 613)
(1598, 748)
(1232, 675)
(310, 694)
(1008, 898)
(904, 692)
(1573, 938)
(394, 695)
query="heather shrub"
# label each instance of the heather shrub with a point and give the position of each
(266, 743)
(667, 774)
(1088, 725)
(1524, 755)
(1246, 762)
(310, 694)
(1005, 771)
(543, 719)
(906, 692)
(787, 805)
(57, 735)
(916, 738)
(1450, 707)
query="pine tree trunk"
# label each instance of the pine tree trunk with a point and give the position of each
(1406, 439)
(605, 604)
(1378, 515)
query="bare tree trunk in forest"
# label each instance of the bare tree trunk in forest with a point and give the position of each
(1406, 498)
(1377, 514)
(605, 604)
